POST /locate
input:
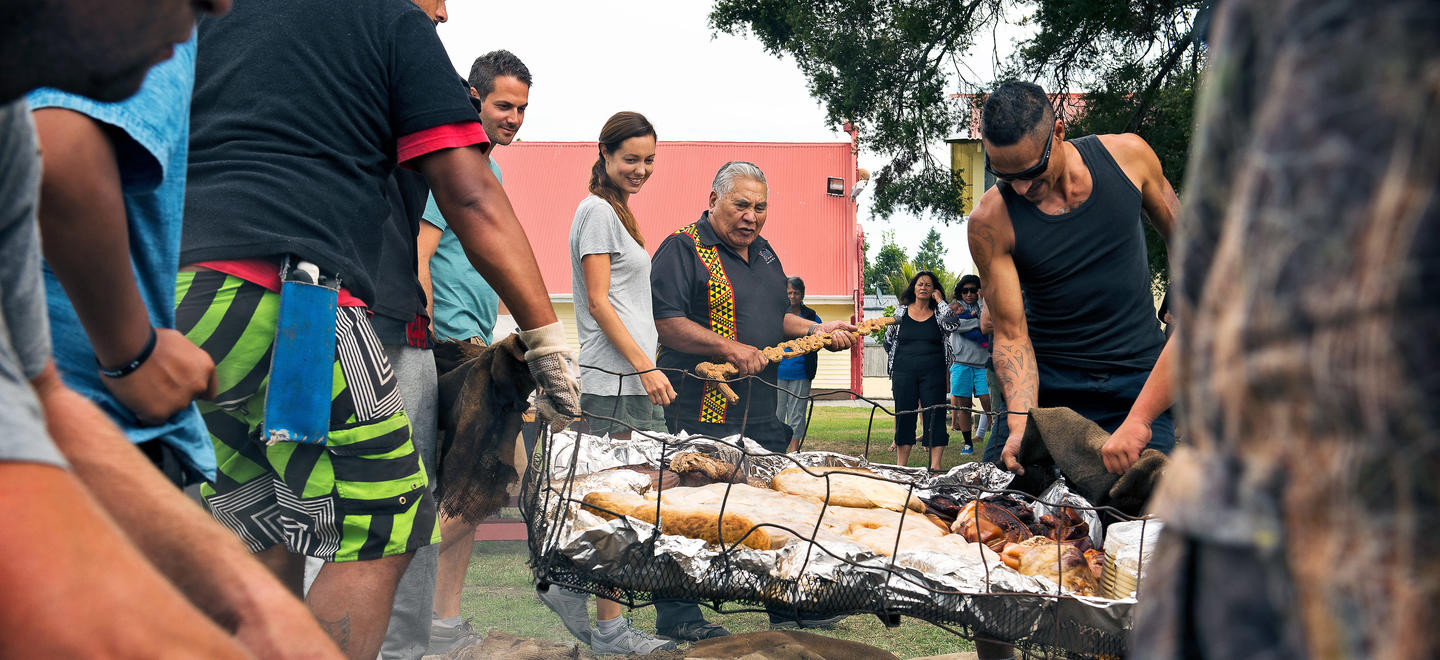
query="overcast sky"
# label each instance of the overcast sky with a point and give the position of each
(590, 59)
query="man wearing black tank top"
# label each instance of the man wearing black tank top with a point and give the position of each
(1063, 224)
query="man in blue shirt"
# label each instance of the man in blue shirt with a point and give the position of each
(106, 303)
(794, 376)
(463, 307)
(65, 516)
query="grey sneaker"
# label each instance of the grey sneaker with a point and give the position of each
(628, 639)
(810, 624)
(444, 638)
(570, 605)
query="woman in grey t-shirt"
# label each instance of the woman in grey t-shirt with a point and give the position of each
(610, 273)
(610, 277)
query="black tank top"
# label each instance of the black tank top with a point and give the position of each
(919, 340)
(1085, 274)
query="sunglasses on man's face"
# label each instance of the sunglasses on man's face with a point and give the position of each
(1028, 174)
(967, 291)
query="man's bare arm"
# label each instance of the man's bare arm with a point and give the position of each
(1123, 447)
(1162, 206)
(479, 212)
(991, 243)
(85, 236)
(426, 242)
(76, 588)
(1157, 196)
(199, 557)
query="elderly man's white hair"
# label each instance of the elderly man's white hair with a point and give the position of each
(735, 169)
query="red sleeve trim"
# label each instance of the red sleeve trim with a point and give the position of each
(435, 138)
(265, 273)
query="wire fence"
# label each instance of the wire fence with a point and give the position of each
(640, 572)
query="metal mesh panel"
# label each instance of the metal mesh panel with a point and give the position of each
(1040, 625)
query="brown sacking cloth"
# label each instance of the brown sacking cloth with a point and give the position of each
(1073, 443)
(783, 645)
(484, 392)
(500, 646)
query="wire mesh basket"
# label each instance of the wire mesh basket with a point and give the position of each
(624, 558)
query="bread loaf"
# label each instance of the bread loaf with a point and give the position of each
(610, 505)
(700, 523)
(696, 513)
(794, 514)
(846, 487)
(712, 469)
(696, 522)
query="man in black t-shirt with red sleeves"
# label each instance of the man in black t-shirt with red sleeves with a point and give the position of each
(302, 110)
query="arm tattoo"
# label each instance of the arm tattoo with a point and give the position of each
(982, 243)
(338, 630)
(1015, 364)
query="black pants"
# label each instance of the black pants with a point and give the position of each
(921, 382)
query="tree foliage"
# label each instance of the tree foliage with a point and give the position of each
(931, 253)
(891, 68)
(897, 281)
(885, 66)
(890, 259)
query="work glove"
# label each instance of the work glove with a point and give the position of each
(552, 363)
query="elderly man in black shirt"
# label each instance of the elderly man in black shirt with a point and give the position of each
(719, 293)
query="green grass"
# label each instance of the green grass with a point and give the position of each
(842, 430)
(500, 594)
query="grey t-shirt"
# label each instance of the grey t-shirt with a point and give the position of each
(597, 230)
(24, 332)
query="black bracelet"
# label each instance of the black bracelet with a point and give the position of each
(130, 367)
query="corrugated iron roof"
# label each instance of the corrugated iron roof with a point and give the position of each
(815, 234)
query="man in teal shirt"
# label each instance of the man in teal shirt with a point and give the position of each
(463, 307)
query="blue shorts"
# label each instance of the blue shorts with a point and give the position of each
(967, 381)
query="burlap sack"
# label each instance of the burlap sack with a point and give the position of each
(783, 645)
(483, 395)
(1073, 443)
(500, 646)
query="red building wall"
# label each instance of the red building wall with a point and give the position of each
(813, 233)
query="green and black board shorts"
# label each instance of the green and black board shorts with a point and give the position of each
(362, 495)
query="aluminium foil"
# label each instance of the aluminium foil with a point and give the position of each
(974, 590)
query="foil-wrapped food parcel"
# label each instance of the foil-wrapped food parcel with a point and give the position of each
(802, 526)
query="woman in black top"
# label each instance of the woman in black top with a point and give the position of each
(918, 369)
